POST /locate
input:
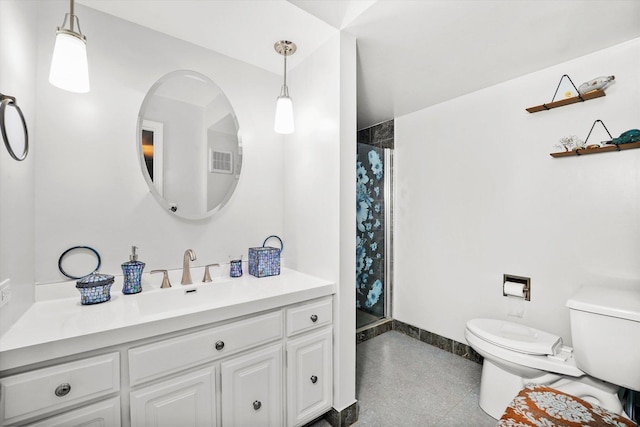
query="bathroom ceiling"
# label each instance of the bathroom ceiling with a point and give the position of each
(411, 53)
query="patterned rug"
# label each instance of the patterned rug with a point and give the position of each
(542, 406)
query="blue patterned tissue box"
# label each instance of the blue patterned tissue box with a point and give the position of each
(265, 261)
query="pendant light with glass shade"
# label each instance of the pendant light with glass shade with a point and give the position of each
(69, 65)
(284, 106)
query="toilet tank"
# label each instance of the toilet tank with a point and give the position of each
(605, 330)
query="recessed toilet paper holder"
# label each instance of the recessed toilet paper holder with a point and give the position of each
(526, 281)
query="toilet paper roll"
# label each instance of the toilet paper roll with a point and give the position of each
(514, 289)
(515, 306)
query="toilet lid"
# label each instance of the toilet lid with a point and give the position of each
(516, 337)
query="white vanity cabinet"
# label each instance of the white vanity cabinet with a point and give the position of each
(268, 365)
(241, 368)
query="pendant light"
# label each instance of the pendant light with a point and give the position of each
(69, 66)
(284, 106)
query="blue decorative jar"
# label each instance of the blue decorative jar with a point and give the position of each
(132, 272)
(95, 288)
(235, 269)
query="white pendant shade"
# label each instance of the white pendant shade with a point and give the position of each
(284, 106)
(69, 66)
(284, 115)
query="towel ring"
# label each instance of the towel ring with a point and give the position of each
(73, 249)
(11, 120)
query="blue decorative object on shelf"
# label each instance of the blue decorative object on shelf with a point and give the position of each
(632, 135)
(265, 261)
(95, 288)
(132, 272)
(235, 268)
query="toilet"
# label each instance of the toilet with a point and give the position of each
(605, 331)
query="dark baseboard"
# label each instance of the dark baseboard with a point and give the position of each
(374, 330)
(343, 418)
(443, 343)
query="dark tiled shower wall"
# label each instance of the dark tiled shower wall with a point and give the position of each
(443, 343)
(380, 135)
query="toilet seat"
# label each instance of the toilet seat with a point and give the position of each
(516, 337)
(525, 362)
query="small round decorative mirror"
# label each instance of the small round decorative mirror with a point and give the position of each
(188, 144)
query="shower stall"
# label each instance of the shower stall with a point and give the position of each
(374, 224)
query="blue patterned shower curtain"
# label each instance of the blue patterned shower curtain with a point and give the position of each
(370, 232)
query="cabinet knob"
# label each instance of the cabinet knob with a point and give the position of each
(63, 389)
(314, 379)
(219, 345)
(314, 318)
(257, 405)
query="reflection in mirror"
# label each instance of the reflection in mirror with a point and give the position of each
(188, 144)
(152, 149)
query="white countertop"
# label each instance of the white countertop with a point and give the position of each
(60, 326)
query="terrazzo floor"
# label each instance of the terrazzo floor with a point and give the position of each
(401, 381)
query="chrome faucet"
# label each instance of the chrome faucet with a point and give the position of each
(189, 255)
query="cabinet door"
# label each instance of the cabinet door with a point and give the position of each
(252, 389)
(186, 401)
(309, 376)
(102, 414)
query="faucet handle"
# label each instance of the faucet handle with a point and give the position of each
(165, 278)
(207, 276)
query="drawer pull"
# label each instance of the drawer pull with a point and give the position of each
(63, 389)
(219, 345)
(257, 405)
(314, 379)
(314, 318)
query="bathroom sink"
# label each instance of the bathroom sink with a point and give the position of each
(185, 297)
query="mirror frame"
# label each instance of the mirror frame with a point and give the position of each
(141, 125)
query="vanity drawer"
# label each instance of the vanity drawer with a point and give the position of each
(42, 390)
(309, 316)
(161, 358)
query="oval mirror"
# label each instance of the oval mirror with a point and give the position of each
(188, 144)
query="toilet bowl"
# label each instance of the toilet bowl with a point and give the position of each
(605, 323)
(514, 362)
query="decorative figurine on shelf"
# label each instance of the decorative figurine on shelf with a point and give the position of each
(627, 137)
(570, 143)
(595, 84)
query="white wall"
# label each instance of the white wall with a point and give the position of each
(18, 47)
(319, 178)
(478, 195)
(89, 187)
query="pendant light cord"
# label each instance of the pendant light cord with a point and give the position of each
(285, 89)
(71, 10)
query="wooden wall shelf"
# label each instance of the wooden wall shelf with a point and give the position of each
(587, 96)
(580, 152)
